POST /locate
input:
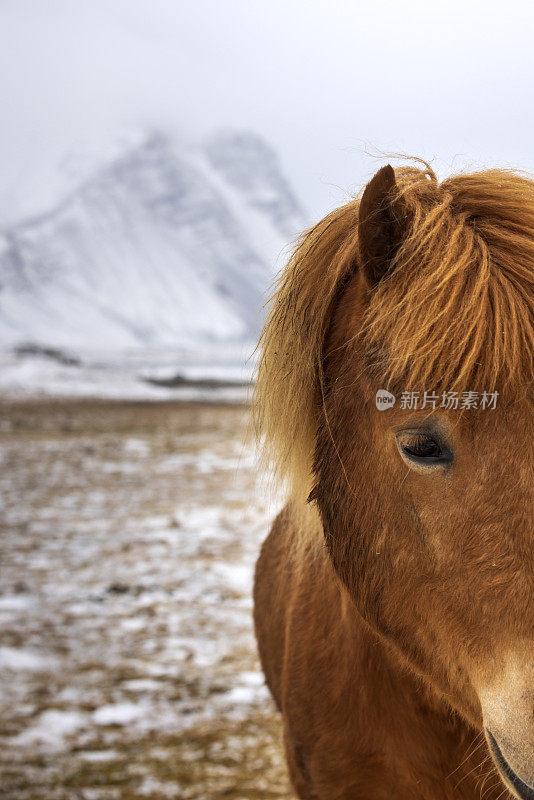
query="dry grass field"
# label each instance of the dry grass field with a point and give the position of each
(127, 660)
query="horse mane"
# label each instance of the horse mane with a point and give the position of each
(456, 309)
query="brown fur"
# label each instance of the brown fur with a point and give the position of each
(394, 611)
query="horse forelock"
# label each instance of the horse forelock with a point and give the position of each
(457, 310)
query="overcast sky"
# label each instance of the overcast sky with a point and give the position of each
(325, 81)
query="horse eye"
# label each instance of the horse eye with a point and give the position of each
(422, 448)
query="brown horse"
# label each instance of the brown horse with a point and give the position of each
(394, 595)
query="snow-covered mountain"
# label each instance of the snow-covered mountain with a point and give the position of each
(167, 246)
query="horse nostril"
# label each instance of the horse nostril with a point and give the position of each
(523, 790)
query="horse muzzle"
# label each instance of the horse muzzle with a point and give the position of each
(518, 785)
(507, 705)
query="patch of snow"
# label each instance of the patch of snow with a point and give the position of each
(151, 787)
(117, 714)
(51, 729)
(15, 602)
(242, 695)
(250, 678)
(142, 685)
(237, 576)
(99, 755)
(15, 659)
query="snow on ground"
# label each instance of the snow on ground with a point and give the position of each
(128, 666)
(125, 375)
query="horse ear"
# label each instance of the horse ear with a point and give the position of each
(380, 225)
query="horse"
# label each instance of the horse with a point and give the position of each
(394, 594)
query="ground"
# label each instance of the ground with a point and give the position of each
(128, 666)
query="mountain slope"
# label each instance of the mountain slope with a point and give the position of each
(167, 246)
